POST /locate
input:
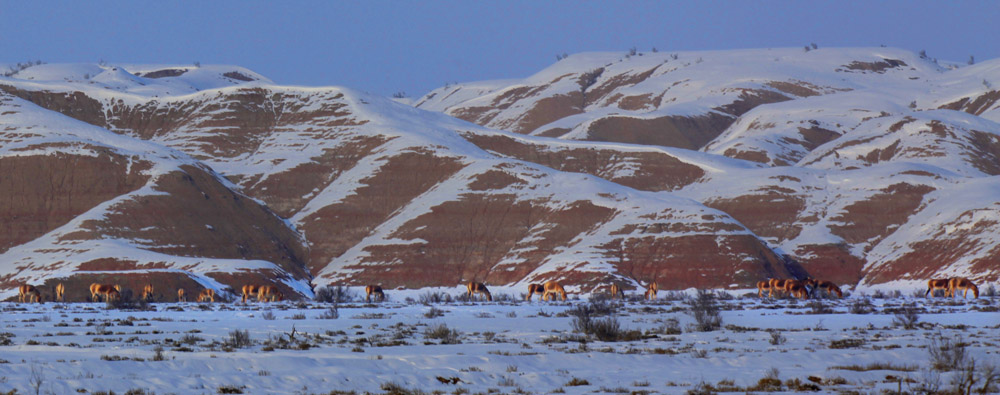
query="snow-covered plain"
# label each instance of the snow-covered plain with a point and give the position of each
(506, 346)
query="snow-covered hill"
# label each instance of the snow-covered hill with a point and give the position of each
(835, 163)
(861, 144)
(385, 193)
(82, 204)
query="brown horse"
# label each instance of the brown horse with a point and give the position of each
(535, 289)
(480, 288)
(376, 290)
(30, 293)
(269, 292)
(93, 291)
(936, 284)
(796, 289)
(651, 291)
(107, 291)
(829, 287)
(551, 289)
(180, 295)
(60, 292)
(776, 284)
(207, 294)
(800, 288)
(962, 284)
(617, 291)
(762, 286)
(147, 292)
(250, 290)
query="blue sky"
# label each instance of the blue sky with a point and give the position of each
(413, 46)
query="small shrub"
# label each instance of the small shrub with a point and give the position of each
(126, 301)
(238, 339)
(443, 333)
(777, 338)
(190, 339)
(331, 313)
(947, 354)
(907, 316)
(268, 315)
(434, 312)
(392, 388)
(604, 329)
(846, 343)
(861, 306)
(877, 366)
(158, 356)
(230, 389)
(771, 382)
(5, 339)
(596, 308)
(338, 294)
(818, 307)
(706, 311)
(576, 382)
(671, 326)
(434, 297)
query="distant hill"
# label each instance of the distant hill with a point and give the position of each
(705, 169)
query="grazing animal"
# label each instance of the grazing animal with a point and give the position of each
(180, 295)
(207, 294)
(535, 289)
(60, 292)
(30, 293)
(796, 289)
(269, 292)
(799, 288)
(250, 290)
(617, 292)
(762, 286)
(962, 284)
(777, 284)
(551, 289)
(829, 287)
(936, 284)
(93, 291)
(479, 288)
(147, 292)
(376, 290)
(651, 291)
(107, 291)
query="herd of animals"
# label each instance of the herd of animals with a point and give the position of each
(801, 289)
(110, 292)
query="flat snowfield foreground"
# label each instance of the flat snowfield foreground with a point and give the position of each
(854, 345)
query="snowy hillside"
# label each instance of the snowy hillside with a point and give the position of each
(84, 202)
(706, 169)
(860, 150)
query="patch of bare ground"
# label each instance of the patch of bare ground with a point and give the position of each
(875, 67)
(164, 73)
(670, 131)
(464, 240)
(46, 191)
(337, 227)
(767, 213)
(869, 220)
(975, 105)
(649, 171)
